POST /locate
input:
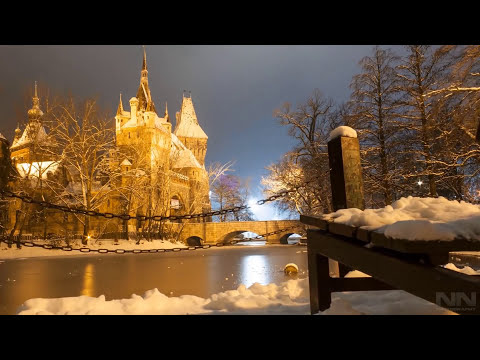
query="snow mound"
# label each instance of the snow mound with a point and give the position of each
(290, 297)
(415, 218)
(342, 131)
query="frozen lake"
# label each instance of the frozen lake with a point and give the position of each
(198, 272)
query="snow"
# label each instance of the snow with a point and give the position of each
(288, 298)
(37, 168)
(415, 218)
(33, 132)
(29, 252)
(342, 131)
(126, 163)
(188, 126)
(181, 156)
(2, 137)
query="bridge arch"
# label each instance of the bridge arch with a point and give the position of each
(284, 238)
(231, 235)
(194, 241)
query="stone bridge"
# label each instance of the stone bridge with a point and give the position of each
(217, 232)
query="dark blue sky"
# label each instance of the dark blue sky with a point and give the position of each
(235, 88)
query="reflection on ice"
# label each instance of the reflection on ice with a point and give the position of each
(254, 269)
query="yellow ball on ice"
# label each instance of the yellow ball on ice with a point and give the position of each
(290, 269)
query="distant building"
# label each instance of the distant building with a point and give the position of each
(145, 144)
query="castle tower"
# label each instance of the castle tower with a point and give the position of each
(189, 132)
(25, 148)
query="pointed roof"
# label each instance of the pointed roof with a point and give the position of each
(144, 67)
(187, 123)
(120, 106)
(34, 133)
(166, 117)
(144, 97)
(181, 156)
(126, 162)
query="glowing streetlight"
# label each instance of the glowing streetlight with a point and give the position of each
(252, 202)
(420, 182)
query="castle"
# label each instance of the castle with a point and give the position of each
(170, 164)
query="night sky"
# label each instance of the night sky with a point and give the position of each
(235, 89)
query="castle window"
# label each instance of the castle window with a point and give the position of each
(129, 135)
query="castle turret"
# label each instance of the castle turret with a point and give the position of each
(188, 130)
(18, 133)
(134, 108)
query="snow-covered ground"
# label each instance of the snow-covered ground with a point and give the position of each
(288, 298)
(28, 252)
(416, 218)
(409, 218)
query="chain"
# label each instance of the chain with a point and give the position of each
(45, 204)
(5, 240)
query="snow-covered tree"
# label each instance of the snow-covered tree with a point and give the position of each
(374, 107)
(421, 71)
(230, 191)
(82, 135)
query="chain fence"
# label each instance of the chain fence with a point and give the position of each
(75, 210)
(45, 204)
(7, 241)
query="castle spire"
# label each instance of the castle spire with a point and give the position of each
(34, 113)
(120, 106)
(144, 67)
(167, 118)
(143, 93)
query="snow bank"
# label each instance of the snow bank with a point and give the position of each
(415, 218)
(342, 131)
(290, 297)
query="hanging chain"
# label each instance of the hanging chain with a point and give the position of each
(5, 240)
(74, 210)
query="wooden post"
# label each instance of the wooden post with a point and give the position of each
(345, 173)
(346, 182)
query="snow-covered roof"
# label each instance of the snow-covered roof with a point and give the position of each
(342, 131)
(187, 123)
(37, 168)
(181, 156)
(2, 137)
(126, 163)
(33, 132)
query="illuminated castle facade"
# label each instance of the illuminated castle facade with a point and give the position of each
(168, 164)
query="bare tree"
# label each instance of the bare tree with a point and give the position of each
(82, 134)
(310, 124)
